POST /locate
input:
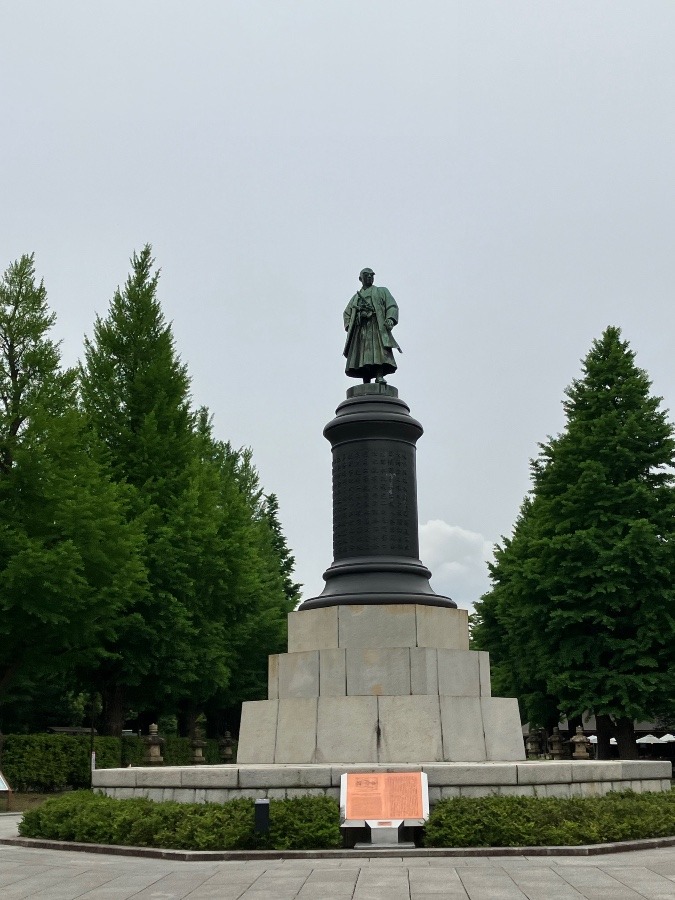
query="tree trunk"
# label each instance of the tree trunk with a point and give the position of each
(7, 675)
(113, 710)
(190, 717)
(605, 732)
(625, 738)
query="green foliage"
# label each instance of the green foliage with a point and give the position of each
(54, 762)
(304, 823)
(135, 391)
(139, 557)
(312, 823)
(297, 824)
(177, 751)
(580, 616)
(132, 750)
(261, 628)
(544, 822)
(217, 566)
(34, 704)
(69, 560)
(285, 559)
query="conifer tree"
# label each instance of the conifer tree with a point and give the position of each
(286, 560)
(263, 628)
(69, 561)
(515, 661)
(212, 567)
(135, 391)
(582, 607)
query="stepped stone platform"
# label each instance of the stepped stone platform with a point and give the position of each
(546, 778)
(379, 684)
(381, 688)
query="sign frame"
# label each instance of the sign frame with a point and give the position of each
(5, 789)
(348, 783)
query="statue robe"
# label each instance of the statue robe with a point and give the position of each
(370, 343)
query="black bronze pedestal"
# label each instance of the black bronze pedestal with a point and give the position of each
(375, 539)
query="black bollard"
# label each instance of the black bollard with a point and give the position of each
(261, 820)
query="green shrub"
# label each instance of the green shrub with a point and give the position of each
(531, 822)
(209, 826)
(65, 818)
(178, 752)
(55, 762)
(305, 823)
(297, 824)
(131, 751)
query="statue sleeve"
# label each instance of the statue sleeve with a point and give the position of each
(347, 315)
(391, 307)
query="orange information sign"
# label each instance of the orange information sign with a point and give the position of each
(385, 795)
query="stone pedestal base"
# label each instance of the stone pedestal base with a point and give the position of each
(217, 784)
(380, 729)
(380, 684)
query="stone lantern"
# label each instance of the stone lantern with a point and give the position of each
(153, 747)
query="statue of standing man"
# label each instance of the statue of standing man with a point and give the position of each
(369, 318)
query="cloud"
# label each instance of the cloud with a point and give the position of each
(458, 561)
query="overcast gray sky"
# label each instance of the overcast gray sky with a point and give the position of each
(506, 168)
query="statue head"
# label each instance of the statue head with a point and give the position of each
(366, 277)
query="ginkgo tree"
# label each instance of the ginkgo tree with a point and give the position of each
(69, 556)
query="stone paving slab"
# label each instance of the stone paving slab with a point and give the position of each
(483, 883)
(29, 872)
(640, 878)
(543, 883)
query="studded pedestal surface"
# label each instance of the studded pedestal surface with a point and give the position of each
(375, 538)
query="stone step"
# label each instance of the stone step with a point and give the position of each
(342, 672)
(380, 729)
(377, 626)
(546, 778)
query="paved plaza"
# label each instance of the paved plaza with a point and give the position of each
(57, 875)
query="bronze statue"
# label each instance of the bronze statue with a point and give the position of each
(369, 318)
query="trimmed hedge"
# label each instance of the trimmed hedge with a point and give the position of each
(302, 823)
(312, 823)
(549, 821)
(176, 752)
(55, 762)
